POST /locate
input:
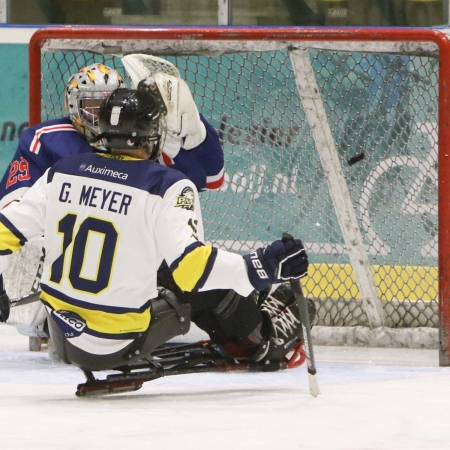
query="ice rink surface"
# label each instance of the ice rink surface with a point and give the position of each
(377, 399)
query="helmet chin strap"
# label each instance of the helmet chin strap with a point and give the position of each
(83, 130)
(153, 151)
(96, 143)
(91, 137)
(97, 138)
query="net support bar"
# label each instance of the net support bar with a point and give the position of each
(310, 96)
(224, 12)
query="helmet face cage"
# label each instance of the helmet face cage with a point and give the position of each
(85, 92)
(155, 142)
(132, 119)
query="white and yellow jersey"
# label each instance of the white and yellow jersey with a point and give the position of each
(108, 223)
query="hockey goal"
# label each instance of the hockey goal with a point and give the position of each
(330, 134)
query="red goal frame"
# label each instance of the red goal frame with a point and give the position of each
(293, 34)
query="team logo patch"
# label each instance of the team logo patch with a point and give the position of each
(186, 199)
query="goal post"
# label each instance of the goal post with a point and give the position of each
(338, 136)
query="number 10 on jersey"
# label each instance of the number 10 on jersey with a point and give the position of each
(90, 258)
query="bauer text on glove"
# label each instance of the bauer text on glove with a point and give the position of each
(279, 262)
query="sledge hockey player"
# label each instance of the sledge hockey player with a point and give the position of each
(110, 219)
(191, 145)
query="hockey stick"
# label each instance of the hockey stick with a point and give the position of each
(306, 326)
(304, 317)
(25, 300)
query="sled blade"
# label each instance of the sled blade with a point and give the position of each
(104, 387)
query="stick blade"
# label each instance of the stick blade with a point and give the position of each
(313, 385)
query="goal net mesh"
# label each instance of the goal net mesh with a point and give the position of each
(381, 109)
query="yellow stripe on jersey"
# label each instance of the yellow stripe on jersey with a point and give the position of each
(191, 268)
(102, 321)
(8, 240)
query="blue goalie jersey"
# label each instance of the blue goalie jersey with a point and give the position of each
(43, 145)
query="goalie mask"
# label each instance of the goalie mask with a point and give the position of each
(133, 119)
(85, 92)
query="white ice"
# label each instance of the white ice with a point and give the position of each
(375, 399)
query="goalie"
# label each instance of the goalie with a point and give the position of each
(117, 216)
(190, 145)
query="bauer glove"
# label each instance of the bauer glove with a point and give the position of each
(4, 302)
(281, 261)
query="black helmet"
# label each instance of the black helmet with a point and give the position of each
(132, 119)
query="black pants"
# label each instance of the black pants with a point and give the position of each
(234, 326)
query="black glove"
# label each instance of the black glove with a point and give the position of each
(4, 302)
(280, 261)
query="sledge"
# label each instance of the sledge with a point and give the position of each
(180, 359)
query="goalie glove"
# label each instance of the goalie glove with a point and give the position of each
(184, 127)
(140, 66)
(281, 261)
(4, 302)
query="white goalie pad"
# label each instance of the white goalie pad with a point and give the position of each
(184, 127)
(20, 280)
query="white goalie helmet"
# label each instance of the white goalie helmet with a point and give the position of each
(84, 93)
